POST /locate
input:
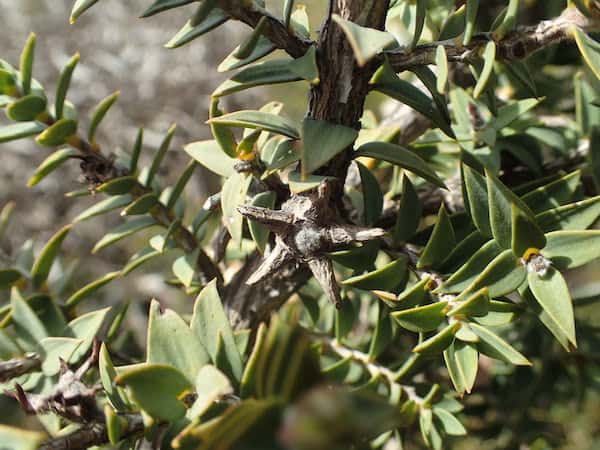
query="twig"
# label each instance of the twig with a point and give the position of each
(518, 44)
(98, 168)
(94, 434)
(19, 366)
(276, 31)
(373, 368)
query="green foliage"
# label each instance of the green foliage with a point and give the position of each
(453, 244)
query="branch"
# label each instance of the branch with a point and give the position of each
(19, 366)
(519, 44)
(276, 31)
(98, 168)
(94, 434)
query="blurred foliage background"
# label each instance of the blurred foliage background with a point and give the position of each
(160, 86)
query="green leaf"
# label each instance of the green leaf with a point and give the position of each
(170, 340)
(400, 156)
(462, 362)
(470, 19)
(383, 333)
(441, 242)
(21, 130)
(570, 249)
(118, 186)
(589, 48)
(29, 329)
(386, 278)
(210, 155)
(366, 42)
(50, 164)
(248, 381)
(90, 288)
(79, 8)
(270, 72)
(454, 25)
(26, 66)
(554, 194)
(262, 48)
(141, 205)
(441, 62)
(211, 386)
(520, 73)
(501, 201)
(209, 320)
(139, 258)
(526, 234)
(306, 66)
(158, 389)
(259, 232)
(181, 183)
(489, 56)
(107, 376)
(18, 439)
(163, 5)
(86, 327)
(476, 305)
(494, 346)
(8, 277)
(422, 318)
(26, 108)
(55, 349)
(57, 133)
(372, 195)
(103, 206)
(64, 82)
(248, 46)
(413, 296)
(160, 155)
(184, 268)
(136, 150)
(500, 313)
(321, 141)
(99, 113)
(409, 212)
(508, 21)
(501, 276)
(552, 293)
(8, 85)
(122, 231)
(420, 15)
(233, 195)
(438, 342)
(477, 194)
(430, 79)
(195, 28)
(509, 113)
(43, 263)
(574, 216)
(258, 120)
(299, 21)
(450, 424)
(299, 184)
(386, 81)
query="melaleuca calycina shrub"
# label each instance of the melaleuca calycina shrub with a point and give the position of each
(360, 280)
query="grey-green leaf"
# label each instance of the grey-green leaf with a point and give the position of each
(258, 120)
(552, 293)
(400, 156)
(321, 141)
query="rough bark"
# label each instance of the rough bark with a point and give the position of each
(339, 98)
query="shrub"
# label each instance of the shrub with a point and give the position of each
(356, 280)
